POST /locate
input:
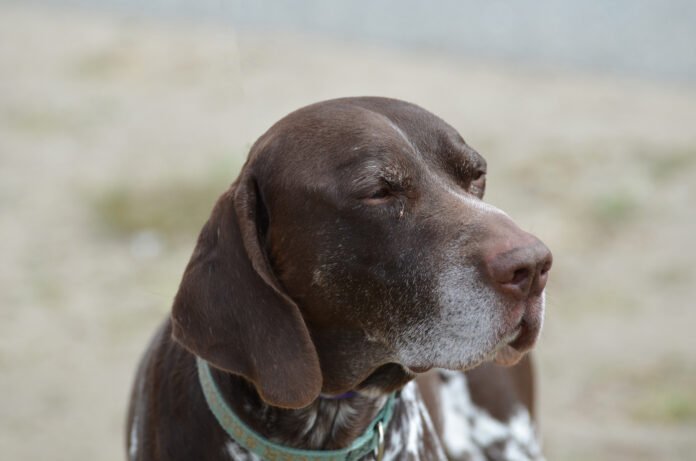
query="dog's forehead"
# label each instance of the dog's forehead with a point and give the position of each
(329, 135)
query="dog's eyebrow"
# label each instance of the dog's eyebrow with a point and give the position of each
(477, 160)
(378, 168)
(465, 161)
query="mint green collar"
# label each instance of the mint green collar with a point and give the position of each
(371, 441)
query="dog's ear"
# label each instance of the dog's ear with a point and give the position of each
(231, 311)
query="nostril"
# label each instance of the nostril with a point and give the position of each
(540, 281)
(522, 272)
(545, 268)
(520, 276)
(514, 279)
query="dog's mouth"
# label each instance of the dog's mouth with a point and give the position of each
(513, 347)
(523, 337)
(505, 341)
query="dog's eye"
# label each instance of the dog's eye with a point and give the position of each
(380, 195)
(382, 192)
(478, 184)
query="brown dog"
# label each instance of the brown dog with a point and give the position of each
(353, 253)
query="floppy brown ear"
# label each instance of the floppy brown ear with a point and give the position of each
(231, 311)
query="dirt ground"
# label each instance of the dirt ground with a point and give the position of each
(117, 135)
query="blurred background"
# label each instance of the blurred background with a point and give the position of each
(122, 121)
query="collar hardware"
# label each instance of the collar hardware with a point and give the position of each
(379, 449)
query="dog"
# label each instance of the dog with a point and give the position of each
(350, 297)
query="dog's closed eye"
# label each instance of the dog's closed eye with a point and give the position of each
(381, 184)
(382, 193)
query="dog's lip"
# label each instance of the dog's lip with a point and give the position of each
(514, 345)
(525, 337)
(527, 325)
(512, 337)
(507, 356)
(419, 369)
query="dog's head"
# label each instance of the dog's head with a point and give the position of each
(354, 250)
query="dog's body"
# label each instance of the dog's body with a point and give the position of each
(353, 254)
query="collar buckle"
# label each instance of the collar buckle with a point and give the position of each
(379, 449)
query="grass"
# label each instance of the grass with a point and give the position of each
(666, 165)
(171, 209)
(668, 404)
(665, 393)
(613, 208)
(674, 275)
(39, 121)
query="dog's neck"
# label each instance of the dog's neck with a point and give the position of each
(325, 424)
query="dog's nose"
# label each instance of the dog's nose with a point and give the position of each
(521, 272)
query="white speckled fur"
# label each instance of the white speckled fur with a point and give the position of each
(238, 453)
(404, 440)
(471, 433)
(466, 329)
